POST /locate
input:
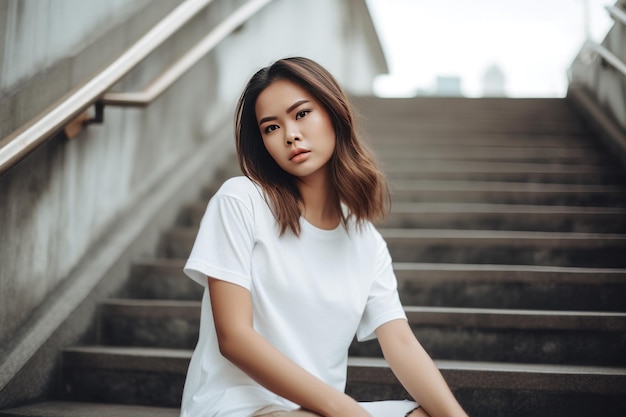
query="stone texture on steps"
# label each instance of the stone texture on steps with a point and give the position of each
(506, 247)
(475, 246)
(512, 286)
(77, 409)
(450, 333)
(453, 285)
(488, 171)
(532, 390)
(482, 217)
(516, 336)
(130, 375)
(506, 193)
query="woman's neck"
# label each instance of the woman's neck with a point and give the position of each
(319, 203)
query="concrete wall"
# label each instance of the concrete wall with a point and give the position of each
(603, 82)
(59, 204)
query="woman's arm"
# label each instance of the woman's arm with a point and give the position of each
(416, 370)
(253, 354)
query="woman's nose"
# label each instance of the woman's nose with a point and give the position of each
(292, 137)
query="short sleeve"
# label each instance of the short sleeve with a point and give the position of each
(383, 302)
(223, 246)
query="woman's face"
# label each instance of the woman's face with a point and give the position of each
(296, 129)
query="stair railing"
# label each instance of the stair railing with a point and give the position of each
(71, 110)
(619, 16)
(596, 91)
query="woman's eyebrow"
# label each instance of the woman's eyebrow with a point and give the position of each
(289, 110)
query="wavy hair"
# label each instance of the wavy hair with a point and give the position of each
(354, 173)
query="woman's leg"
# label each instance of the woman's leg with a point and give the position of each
(418, 412)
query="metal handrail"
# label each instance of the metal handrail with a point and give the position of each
(27, 138)
(617, 14)
(195, 54)
(609, 57)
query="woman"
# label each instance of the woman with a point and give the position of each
(294, 268)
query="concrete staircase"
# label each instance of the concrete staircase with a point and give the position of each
(508, 233)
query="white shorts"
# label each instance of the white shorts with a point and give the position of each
(389, 408)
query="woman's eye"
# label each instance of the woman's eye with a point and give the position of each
(302, 113)
(270, 128)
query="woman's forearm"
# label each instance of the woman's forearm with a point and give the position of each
(254, 355)
(269, 367)
(416, 371)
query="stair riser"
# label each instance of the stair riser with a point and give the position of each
(165, 389)
(594, 253)
(517, 346)
(599, 199)
(530, 296)
(510, 403)
(583, 178)
(162, 332)
(160, 389)
(503, 251)
(413, 158)
(548, 222)
(166, 283)
(442, 341)
(382, 128)
(477, 289)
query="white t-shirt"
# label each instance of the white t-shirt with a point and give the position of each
(310, 295)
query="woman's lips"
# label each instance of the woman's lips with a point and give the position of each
(299, 154)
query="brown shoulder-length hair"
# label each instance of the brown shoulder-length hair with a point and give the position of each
(354, 173)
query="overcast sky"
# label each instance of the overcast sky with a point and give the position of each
(533, 41)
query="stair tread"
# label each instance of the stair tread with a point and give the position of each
(185, 354)
(452, 185)
(618, 273)
(425, 207)
(513, 319)
(498, 375)
(422, 315)
(502, 367)
(85, 409)
(496, 234)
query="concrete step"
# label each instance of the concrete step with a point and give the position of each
(516, 336)
(600, 250)
(452, 108)
(452, 285)
(414, 155)
(161, 278)
(134, 375)
(512, 287)
(481, 217)
(501, 217)
(170, 324)
(406, 136)
(498, 389)
(123, 375)
(388, 125)
(591, 338)
(589, 250)
(84, 409)
(435, 191)
(507, 172)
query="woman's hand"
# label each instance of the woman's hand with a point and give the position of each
(350, 409)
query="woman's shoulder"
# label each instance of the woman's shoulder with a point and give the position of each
(238, 187)
(241, 188)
